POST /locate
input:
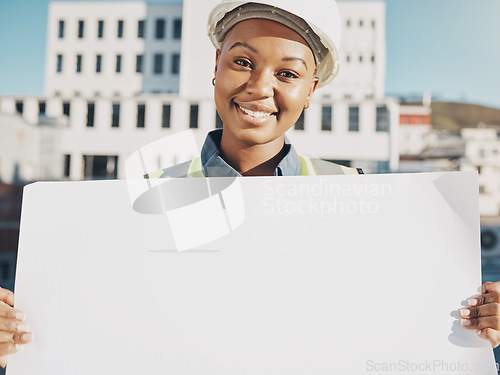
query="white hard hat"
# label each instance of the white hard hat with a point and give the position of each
(317, 21)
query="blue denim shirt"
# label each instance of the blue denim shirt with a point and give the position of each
(214, 166)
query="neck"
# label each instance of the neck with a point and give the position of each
(252, 160)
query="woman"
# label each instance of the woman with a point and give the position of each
(268, 64)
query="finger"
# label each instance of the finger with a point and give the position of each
(490, 309)
(491, 335)
(3, 360)
(482, 299)
(16, 337)
(9, 348)
(13, 325)
(482, 323)
(7, 296)
(489, 287)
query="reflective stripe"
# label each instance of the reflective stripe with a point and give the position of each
(156, 174)
(306, 167)
(348, 170)
(195, 169)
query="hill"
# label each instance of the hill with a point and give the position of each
(455, 116)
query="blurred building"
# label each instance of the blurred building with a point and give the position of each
(121, 75)
(112, 49)
(482, 154)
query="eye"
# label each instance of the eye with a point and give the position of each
(243, 62)
(288, 74)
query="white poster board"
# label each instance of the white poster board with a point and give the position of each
(308, 275)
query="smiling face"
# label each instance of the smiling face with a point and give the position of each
(265, 75)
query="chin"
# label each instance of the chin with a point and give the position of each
(257, 137)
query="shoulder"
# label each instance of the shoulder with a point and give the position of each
(312, 166)
(190, 168)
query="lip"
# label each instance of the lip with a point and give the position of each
(256, 120)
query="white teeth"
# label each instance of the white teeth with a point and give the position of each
(255, 114)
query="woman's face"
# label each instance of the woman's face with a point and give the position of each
(265, 75)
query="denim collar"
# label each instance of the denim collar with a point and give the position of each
(214, 166)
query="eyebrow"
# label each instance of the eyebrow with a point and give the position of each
(245, 45)
(249, 47)
(295, 59)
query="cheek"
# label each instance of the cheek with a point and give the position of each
(294, 98)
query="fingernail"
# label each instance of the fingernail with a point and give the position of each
(465, 322)
(464, 312)
(19, 315)
(478, 332)
(19, 347)
(472, 301)
(27, 337)
(22, 327)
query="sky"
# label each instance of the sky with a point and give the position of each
(449, 48)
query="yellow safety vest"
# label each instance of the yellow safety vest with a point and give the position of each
(308, 167)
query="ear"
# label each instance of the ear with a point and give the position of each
(312, 88)
(217, 57)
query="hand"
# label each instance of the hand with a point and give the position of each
(13, 329)
(483, 313)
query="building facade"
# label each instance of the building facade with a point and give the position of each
(121, 75)
(112, 49)
(482, 154)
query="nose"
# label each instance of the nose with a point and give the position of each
(261, 84)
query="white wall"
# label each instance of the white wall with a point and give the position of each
(108, 82)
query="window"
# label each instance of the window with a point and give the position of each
(100, 167)
(60, 34)
(98, 62)
(115, 117)
(19, 107)
(165, 116)
(41, 108)
(118, 67)
(158, 63)
(90, 114)
(141, 113)
(348, 23)
(176, 63)
(373, 24)
(120, 29)
(218, 120)
(66, 108)
(138, 63)
(59, 63)
(160, 28)
(140, 29)
(100, 29)
(348, 58)
(80, 29)
(299, 125)
(382, 120)
(361, 23)
(193, 116)
(360, 58)
(67, 165)
(326, 118)
(78, 63)
(353, 119)
(177, 28)
(373, 58)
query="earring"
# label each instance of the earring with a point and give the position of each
(213, 81)
(307, 105)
